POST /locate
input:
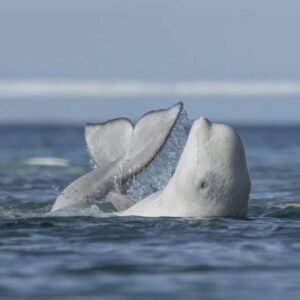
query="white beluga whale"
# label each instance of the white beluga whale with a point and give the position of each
(119, 150)
(211, 178)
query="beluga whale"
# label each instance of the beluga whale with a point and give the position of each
(211, 178)
(119, 151)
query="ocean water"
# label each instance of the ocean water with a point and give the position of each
(86, 256)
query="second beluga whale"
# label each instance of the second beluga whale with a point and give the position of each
(119, 150)
(211, 178)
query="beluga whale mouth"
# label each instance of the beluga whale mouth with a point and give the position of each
(119, 151)
(211, 178)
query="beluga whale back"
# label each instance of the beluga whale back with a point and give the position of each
(119, 150)
(211, 178)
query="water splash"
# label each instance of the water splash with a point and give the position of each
(157, 174)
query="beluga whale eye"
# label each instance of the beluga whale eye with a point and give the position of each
(203, 184)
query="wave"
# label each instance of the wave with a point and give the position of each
(18, 88)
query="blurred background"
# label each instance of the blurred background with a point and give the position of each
(73, 61)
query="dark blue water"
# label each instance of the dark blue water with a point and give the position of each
(91, 257)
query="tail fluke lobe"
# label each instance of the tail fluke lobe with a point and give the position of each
(149, 136)
(107, 142)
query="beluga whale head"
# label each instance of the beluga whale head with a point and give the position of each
(211, 178)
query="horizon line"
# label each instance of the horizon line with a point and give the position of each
(43, 88)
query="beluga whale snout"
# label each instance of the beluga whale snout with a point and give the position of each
(202, 121)
(211, 178)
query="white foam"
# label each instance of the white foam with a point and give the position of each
(97, 88)
(46, 161)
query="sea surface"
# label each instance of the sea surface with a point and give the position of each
(83, 255)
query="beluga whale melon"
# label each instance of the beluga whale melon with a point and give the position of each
(119, 150)
(211, 178)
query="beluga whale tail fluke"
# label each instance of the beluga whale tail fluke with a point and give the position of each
(119, 150)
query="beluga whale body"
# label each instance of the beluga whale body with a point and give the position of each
(211, 178)
(119, 150)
